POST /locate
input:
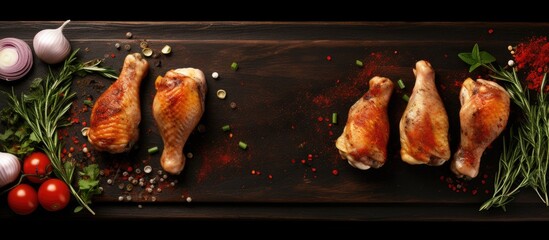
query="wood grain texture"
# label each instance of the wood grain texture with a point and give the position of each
(281, 89)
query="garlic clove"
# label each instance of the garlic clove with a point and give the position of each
(51, 46)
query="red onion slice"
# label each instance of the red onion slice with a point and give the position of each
(17, 60)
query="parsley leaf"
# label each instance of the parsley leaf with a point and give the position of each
(88, 184)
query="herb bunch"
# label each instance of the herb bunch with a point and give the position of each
(17, 137)
(525, 158)
(44, 110)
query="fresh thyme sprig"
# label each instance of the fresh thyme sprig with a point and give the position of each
(525, 159)
(45, 108)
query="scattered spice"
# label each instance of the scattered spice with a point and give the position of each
(215, 75)
(233, 105)
(329, 58)
(129, 35)
(349, 89)
(226, 128)
(127, 47)
(359, 63)
(532, 57)
(117, 45)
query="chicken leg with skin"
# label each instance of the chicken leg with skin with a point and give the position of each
(483, 116)
(366, 134)
(116, 114)
(177, 108)
(424, 124)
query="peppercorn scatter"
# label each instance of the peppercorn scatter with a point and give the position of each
(124, 180)
(139, 183)
(313, 165)
(473, 187)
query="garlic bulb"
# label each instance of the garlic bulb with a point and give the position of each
(10, 167)
(51, 46)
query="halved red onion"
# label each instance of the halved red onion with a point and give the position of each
(15, 59)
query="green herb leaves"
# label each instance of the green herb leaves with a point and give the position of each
(88, 184)
(44, 110)
(476, 58)
(525, 158)
(18, 138)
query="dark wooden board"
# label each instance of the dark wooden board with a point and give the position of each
(284, 84)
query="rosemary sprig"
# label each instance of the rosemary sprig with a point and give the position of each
(45, 108)
(525, 159)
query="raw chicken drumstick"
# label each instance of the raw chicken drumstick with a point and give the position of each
(116, 113)
(177, 108)
(424, 124)
(483, 116)
(366, 134)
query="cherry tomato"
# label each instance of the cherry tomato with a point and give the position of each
(22, 199)
(54, 195)
(39, 164)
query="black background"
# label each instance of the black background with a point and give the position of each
(235, 10)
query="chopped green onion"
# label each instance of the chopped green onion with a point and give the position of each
(226, 128)
(359, 63)
(152, 150)
(234, 66)
(242, 145)
(334, 118)
(405, 97)
(88, 102)
(401, 84)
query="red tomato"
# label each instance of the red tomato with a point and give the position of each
(54, 195)
(22, 199)
(37, 163)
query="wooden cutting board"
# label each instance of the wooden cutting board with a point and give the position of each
(291, 78)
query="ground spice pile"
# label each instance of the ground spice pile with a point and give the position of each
(532, 57)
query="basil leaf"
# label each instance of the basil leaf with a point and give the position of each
(474, 66)
(486, 57)
(467, 58)
(476, 54)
